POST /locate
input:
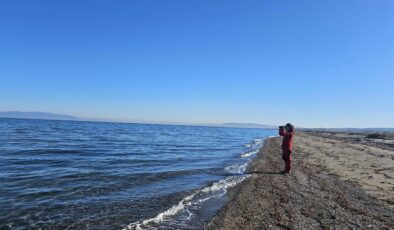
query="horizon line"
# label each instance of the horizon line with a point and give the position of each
(223, 124)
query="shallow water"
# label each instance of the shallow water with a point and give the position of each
(95, 175)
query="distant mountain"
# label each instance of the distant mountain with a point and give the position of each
(247, 125)
(36, 115)
(53, 116)
(354, 130)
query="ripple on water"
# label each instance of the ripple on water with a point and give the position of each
(78, 175)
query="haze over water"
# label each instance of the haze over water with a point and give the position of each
(92, 175)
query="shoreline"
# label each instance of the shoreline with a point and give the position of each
(331, 186)
(214, 192)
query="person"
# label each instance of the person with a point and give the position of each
(287, 132)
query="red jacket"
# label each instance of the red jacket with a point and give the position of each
(287, 143)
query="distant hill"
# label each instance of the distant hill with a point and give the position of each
(354, 130)
(36, 115)
(53, 116)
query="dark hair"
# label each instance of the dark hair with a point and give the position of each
(289, 127)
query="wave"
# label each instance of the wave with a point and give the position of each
(237, 169)
(184, 208)
(250, 153)
(258, 140)
(256, 143)
(35, 152)
(186, 204)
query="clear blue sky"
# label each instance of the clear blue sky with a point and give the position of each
(314, 63)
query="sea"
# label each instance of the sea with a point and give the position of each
(102, 175)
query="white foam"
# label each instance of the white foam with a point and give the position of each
(220, 186)
(225, 184)
(258, 140)
(172, 211)
(236, 169)
(215, 190)
(249, 154)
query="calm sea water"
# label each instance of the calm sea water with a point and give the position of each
(93, 175)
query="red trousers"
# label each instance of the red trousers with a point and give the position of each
(286, 156)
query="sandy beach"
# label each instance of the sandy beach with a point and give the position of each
(338, 181)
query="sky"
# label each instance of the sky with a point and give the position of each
(312, 63)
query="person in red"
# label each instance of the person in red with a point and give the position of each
(287, 132)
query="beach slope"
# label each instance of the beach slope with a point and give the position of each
(338, 181)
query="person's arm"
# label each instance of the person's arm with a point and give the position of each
(282, 131)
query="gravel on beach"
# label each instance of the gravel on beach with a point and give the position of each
(313, 196)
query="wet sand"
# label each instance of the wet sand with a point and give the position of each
(338, 181)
